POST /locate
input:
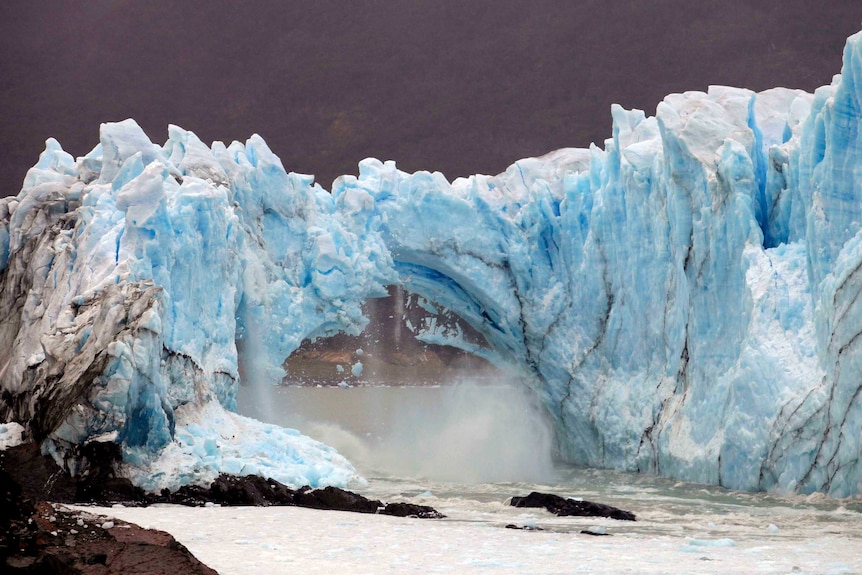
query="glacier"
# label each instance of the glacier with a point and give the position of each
(684, 301)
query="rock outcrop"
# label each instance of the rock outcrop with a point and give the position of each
(563, 506)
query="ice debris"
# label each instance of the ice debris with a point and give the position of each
(11, 434)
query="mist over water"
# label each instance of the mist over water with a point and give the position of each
(467, 448)
(467, 432)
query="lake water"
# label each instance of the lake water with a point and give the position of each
(467, 449)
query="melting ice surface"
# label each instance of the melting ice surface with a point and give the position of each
(684, 301)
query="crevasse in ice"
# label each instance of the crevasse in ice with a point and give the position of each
(685, 301)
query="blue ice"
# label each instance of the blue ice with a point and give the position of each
(684, 299)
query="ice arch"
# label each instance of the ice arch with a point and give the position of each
(685, 299)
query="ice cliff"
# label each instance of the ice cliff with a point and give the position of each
(685, 300)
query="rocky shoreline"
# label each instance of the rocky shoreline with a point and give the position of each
(46, 538)
(38, 535)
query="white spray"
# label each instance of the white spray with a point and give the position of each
(254, 371)
(468, 432)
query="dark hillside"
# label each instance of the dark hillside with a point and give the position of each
(460, 87)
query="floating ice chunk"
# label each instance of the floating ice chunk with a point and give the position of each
(356, 370)
(724, 542)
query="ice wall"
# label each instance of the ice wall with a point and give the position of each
(684, 300)
(128, 276)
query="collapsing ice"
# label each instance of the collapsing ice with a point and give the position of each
(685, 301)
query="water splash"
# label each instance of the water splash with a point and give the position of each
(476, 434)
(254, 373)
(467, 432)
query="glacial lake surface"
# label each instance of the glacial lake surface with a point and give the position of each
(466, 449)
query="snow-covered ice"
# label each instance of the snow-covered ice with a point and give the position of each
(684, 300)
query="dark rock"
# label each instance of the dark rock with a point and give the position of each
(47, 563)
(37, 476)
(523, 527)
(37, 538)
(229, 490)
(250, 490)
(97, 559)
(40, 478)
(336, 499)
(411, 510)
(253, 490)
(27, 524)
(12, 504)
(566, 507)
(97, 482)
(14, 512)
(112, 490)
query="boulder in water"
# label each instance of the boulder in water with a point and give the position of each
(564, 507)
